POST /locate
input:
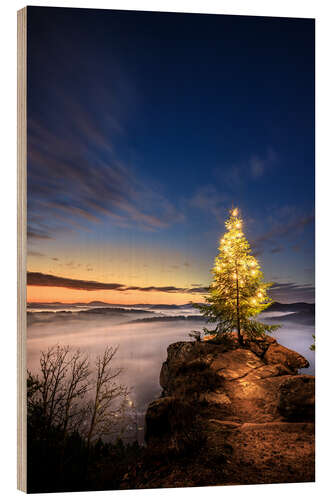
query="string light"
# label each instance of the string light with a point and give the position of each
(238, 287)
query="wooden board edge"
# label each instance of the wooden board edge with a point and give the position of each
(21, 247)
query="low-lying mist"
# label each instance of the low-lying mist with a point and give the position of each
(142, 344)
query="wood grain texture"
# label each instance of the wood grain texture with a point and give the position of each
(21, 247)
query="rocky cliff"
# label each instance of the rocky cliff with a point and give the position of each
(231, 414)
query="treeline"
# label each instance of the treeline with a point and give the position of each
(77, 415)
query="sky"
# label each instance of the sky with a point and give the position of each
(144, 129)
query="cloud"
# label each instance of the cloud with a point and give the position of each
(38, 234)
(262, 165)
(31, 253)
(78, 175)
(283, 292)
(255, 167)
(41, 279)
(87, 185)
(167, 289)
(234, 176)
(288, 226)
(202, 289)
(277, 250)
(209, 199)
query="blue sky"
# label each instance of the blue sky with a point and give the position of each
(144, 128)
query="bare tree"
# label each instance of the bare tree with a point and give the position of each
(69, 397)
(33, 390)
(109, 397)
(61, 386)
(53, 363)
(76, 388)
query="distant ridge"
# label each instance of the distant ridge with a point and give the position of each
(299, 312)
(295, 307)
(275, 307)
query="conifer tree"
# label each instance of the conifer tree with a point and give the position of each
(237, 293)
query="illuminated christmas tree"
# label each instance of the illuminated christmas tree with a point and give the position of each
(237, 293)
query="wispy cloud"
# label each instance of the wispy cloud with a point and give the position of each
(256, 166)
(283, 229)
(38, 234)
(283, 292)
(261, 165)
(216, 199)
(289, 225)
(277, 250)
(32, 253)
(41, 279)
(209, 199)
(80, 185)
(78, 175)
(49, 280)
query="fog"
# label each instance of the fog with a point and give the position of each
(142, 345)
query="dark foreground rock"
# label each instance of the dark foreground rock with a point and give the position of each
(229, 415)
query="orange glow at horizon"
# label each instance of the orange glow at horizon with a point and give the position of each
(68, 295)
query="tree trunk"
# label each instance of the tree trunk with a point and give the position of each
(240, 338)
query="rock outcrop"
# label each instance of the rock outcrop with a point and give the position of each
(246, 409)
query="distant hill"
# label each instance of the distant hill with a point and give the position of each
(295, 307)
(162, 319)
(299, 312)
(114, 311)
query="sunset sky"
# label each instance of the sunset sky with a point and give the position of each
(144, 129)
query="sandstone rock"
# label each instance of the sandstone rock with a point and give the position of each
(278, 354)
(230, 340)
(181, 354)
(297, 398)
(235, 406)
(180, 351)
(172, 426)
(268, 371)
(157, 417)
(235, 364)
(234, 384)
(164, 375)
(260, 345)
(225, 423)
(216, 398)
(281, 426)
